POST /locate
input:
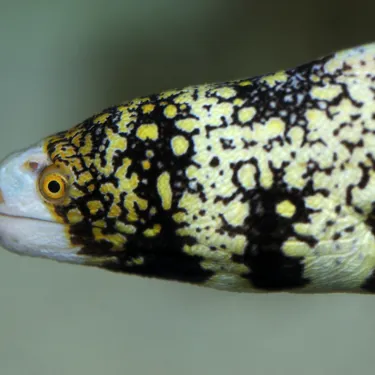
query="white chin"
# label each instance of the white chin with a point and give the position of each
(37, 238)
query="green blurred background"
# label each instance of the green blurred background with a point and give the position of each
(60, 62)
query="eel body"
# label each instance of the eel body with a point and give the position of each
(262, 184)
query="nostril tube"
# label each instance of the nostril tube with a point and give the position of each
(1, 197)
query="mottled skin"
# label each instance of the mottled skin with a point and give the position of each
(262, 184)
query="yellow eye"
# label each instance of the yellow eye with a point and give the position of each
(53, 184)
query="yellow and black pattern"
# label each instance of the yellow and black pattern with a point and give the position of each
(259, 184)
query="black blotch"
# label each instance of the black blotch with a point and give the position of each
(270, 269)
(369, 284)
(227, 144)
(214, 161)
(163, 257)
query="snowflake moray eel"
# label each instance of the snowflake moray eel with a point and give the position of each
(261, 185)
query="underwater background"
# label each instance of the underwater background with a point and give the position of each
(62, 61)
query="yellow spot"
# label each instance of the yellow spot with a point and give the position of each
(315, 117)
(150, 154)
(191, 171)
(74, 216)
(69, 150)
(164, 190)
(125, 228)
(303, 228)
(183, 98)
(189, 202)
(117, 142)
(315, 201)
(108, 188)
(226, 92)
(246, 114)
(296, 135)
(77, 165)
(138, 261)
(76, 193)
(294, 176)
(135, 261)
(102, 118)
(148, 131)
(152, 232)
(245, 83)
(84, 178)
(266, 176)
(126, 184)
(170, 111)
(99, 223)
(146, 165)
(179, 145)
(295, 248)
(286, 208)
(94, 206)
(117, 240)
(87, 147)
(129, 184)
(326, 92)
(98, 233)
(238, 102)
(333, 64)
(131, 200)
(246, 176)
(236, 213)
(266, 180)
(114, 211)
(275, 127)
(179, 217)
(272, 79)
(187, 124)
(126, 119)
(148, 108)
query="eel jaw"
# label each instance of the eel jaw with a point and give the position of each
(44, 239)
(37, 238)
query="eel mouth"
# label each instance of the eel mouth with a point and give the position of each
(20, 217)
(41, 238)
(37, 238)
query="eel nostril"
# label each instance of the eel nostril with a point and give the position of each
(1, 197)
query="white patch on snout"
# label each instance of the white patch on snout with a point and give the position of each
(18, 184)
(27, 226)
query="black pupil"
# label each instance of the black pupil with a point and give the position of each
(54, 187)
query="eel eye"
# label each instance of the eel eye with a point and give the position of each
(53, 184)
